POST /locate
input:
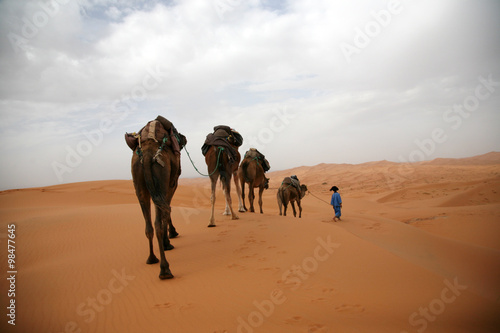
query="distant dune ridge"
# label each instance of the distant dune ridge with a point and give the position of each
(417, 250)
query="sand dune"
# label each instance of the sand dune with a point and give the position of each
(417, 250)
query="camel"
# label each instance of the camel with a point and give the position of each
(156, 167)
(252, 172)
(289, 193)
(219, 166)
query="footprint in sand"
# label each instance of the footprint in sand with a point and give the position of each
(293, 320)
(163, 306)
(273, 269)
(241, 249)
(350, 308)
(316, 328)
(374, 226)
(249, 256)
(321, 299)
(328, 290)
(237, 267)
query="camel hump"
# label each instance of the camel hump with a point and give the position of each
(153, 130)
(287, 180)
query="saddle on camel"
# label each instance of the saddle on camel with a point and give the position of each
(226, 137)
(156, 167)
(259, 157)
(222, 157)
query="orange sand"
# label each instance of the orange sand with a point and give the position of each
(417, 250)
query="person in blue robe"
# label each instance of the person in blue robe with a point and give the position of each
(336, 202)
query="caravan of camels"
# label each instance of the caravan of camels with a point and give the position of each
(156, 168)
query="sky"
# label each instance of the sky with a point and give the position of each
(305, 81)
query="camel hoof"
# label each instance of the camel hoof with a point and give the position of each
(211, 225)
(242, 210)
(173, 234)
(166, 276)
(235, 217)
(168, 247)
(152, 260)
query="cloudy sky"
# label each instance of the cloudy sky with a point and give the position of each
(303, 81)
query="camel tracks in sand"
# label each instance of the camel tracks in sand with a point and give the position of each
(350, 308)
(168, 305)
(374, 226)
(310, 327)
(293, 320)
(236, 266)
(320, 299)
(316, 328)
(163, 306)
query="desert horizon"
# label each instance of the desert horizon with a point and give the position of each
(417, 250)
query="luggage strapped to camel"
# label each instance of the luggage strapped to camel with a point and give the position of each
(259, 157)
(226, 137)
(292, 182)
(159, 130)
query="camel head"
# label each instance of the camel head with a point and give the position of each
(303, 190)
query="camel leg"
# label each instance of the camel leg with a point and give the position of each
(241, 204)
(293, 207)
(172, 233)
(227, 209)
(160, 227)
(213, 181)
(300, 208)
(146, 212)
(242, 182)
(261, 190)
(165, 225)
(229, 204)
(280, 203)
(251, 196)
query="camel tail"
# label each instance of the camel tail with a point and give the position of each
(244, 166)
(224, 174)
(153, 180)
